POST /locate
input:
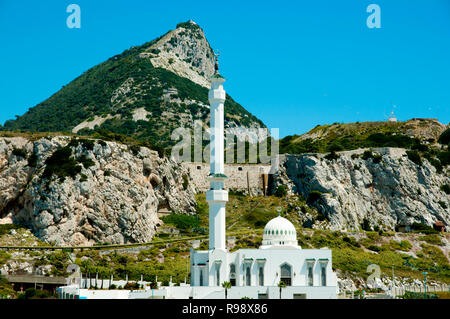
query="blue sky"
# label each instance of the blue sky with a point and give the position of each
(293, 64)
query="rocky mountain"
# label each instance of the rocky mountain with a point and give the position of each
(72, 191)
(145, 92)
(367, 188)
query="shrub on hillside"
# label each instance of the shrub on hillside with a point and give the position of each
(181, 221)
(281, 191)
(32, 160)
(434, 239)
(313, 197)
(445, 188)
(376, 158)
(422, 228)
(445, 137)
(62, 164)
(414, 157)
(19, 153)
(332, 156)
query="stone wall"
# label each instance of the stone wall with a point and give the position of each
(241, 177)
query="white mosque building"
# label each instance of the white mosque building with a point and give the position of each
(253, 273)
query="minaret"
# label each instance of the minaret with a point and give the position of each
(217, 196)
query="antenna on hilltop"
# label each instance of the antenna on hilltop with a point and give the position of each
(392, 117)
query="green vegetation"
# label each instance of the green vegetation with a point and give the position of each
(6, 228)
(313, 197)
(332, 156)
(32, 160)
(90, 95)
(31, 293)
(376, 158)
(19, 153)
(445, 137)
(87, 144)
(443, 204)
(185, 182)
(351, 136)
(446, 189)
(422, 228)
(4, 257)
(403, 245)
(418, 295)
(281, 191)
(62, 164)
(434, 239)
(414, 157)
(6, 288)
(181, 221)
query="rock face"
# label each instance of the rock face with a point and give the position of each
(185, 52)
(114, 200)
(386, 194)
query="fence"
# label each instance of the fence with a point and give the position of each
(397, 291)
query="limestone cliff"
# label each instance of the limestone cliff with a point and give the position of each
(114, 197)
(385, 191)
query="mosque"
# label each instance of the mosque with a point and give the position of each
(251, 273)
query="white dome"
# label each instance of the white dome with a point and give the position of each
(279, 231)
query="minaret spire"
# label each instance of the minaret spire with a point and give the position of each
(216, 58)
(217, 196)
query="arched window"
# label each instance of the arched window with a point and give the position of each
(323, 275)
(285, 271)
(247, 276)
(233, 274)
(310, 275)
(201, 277)
(218, 275)
(261, 276)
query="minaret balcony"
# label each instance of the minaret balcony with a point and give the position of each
(216, 96)
(217, 195)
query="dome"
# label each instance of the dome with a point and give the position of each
(279, 231)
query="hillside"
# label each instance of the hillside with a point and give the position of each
(350, 136)
(144, 92)
(410, 254)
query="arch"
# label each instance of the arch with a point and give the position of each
(323, 275)
(247, 276)
(233, 274)
(286, 274)
(201, 277)
(261, 275)
(218, 275)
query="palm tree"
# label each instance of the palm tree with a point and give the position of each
(226, 285)
(281, 284)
